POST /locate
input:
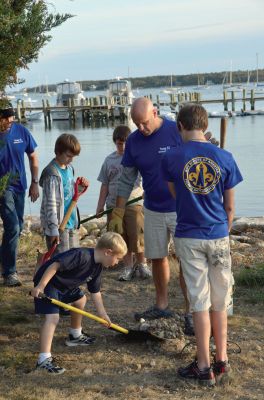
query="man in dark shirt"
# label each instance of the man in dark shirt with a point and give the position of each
(60, 278)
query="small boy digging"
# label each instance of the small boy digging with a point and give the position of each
(60, 278)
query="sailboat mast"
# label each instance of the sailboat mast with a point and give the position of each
(257, 69)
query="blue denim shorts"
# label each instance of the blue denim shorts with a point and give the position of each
(44, 307)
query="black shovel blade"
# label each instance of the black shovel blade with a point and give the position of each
(140, 336)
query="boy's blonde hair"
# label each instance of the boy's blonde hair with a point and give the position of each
(112, 241)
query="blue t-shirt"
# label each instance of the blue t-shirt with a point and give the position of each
(68, 191)
(13, 146)
(145, 153)
(77, 266)
(201, 172)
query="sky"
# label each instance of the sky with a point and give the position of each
(110, 38)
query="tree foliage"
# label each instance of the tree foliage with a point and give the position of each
(24, 27)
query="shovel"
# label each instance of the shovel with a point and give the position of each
(132, 335)
(78, 191)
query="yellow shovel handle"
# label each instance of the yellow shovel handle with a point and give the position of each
(89, 315)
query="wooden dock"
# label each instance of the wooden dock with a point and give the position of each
(104, 108)
(178, 100)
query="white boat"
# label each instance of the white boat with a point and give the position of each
(218, 114)
(199, 86)
(67, 92)
(31, 115)
(172, 89)
(120, 96)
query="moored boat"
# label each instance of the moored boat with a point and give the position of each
(67, 92)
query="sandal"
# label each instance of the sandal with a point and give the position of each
(154, 313)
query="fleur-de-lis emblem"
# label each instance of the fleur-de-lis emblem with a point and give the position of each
(201, 177)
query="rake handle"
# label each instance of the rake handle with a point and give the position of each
(109, 210)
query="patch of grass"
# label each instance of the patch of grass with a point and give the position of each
(255, 296)
(251, 277)
(28, 246)
(10, 359)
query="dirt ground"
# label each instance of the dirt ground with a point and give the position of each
(114, 368)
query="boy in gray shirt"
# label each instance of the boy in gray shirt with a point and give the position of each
(133, 216)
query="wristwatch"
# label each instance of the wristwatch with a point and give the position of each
(34, 180)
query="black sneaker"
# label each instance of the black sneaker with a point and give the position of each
(49, 366)
(205, 377)
(188, 325)
(82, 340)
(222, 371)
(154, 313)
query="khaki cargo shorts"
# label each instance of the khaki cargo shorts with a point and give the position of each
(206, 267)
(158, 227)
(133, 225)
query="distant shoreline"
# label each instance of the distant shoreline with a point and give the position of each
(213, 78)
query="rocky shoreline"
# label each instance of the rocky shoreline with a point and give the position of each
(246, 238)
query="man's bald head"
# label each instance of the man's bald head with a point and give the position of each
(141, 106)
(145, 116)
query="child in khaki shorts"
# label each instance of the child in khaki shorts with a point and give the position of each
(133, 221)
(202, 178)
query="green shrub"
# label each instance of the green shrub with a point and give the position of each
(251, 277)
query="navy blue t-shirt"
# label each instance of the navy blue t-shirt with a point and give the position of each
(201, 172)
(145, 153)
(77, 266)
(13, 146)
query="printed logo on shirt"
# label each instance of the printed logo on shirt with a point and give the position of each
(201, 175)
(17, 141)
(163, 149)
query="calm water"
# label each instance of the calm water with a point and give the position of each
(245, 139)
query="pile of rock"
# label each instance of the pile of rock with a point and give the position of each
(247, 241)
(164, 328)
(91, 230)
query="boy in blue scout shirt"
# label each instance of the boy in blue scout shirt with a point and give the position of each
(60, 278)
(202, 178)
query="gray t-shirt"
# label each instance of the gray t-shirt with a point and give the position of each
(109, 175)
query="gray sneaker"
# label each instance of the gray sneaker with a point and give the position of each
(82, 340)
(127, 274)
(143, 271)
(49, 366)
(12, 280)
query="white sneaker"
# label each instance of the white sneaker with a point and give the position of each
(127, 274)
(144, 271)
